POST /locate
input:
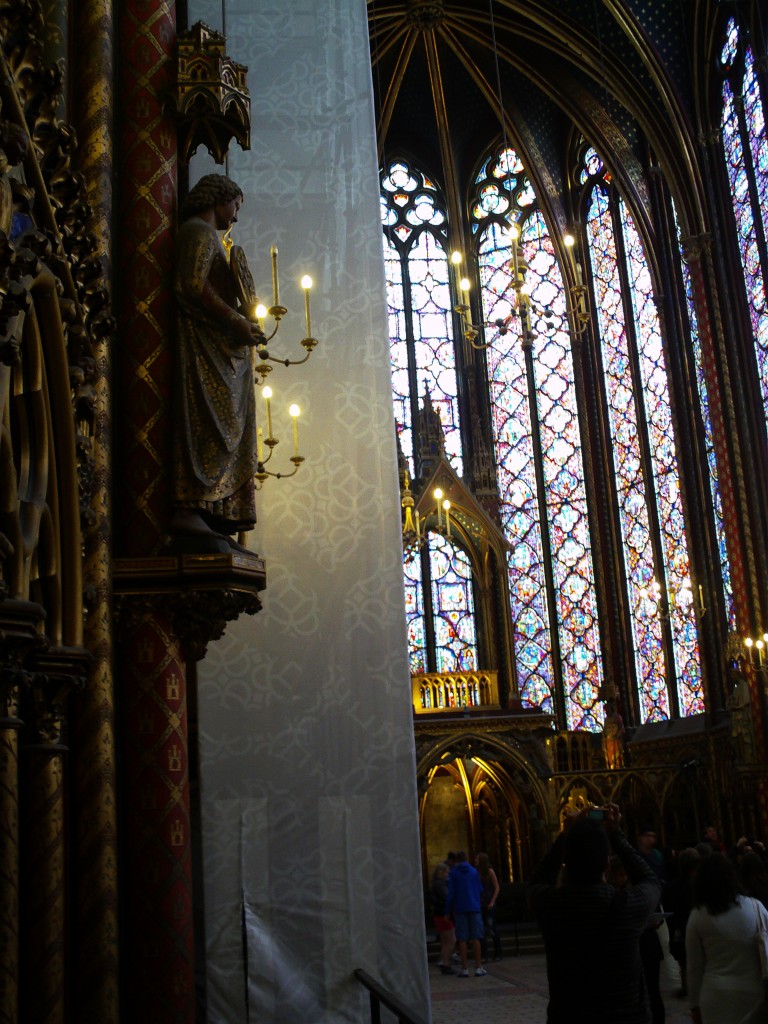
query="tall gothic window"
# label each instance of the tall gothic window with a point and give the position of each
(422, 352)
(745, 146)
(538, 452)
(647, 487)
(536, 426)
(438, 578)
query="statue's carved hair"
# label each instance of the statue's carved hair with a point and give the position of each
(211, 190)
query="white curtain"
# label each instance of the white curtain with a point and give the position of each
(311, 852)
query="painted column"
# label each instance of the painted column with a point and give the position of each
(9, 850)
(147, 213)
(158, 957)
(159, 924)
(43, 895)
(94, 909)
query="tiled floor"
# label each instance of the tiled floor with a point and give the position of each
(515, 990)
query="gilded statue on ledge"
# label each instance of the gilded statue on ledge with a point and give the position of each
(215, 452)
(613, 736)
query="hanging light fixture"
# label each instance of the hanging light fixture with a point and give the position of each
(257, 312)
(577, 292)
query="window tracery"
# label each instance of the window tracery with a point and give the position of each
(555, 520)
(645, 467)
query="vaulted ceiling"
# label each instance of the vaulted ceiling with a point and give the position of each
(452, 77)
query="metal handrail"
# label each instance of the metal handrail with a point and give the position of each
(380, 997)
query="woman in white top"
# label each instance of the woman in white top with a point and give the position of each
(725, 984)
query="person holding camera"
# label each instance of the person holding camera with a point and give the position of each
(592, 930)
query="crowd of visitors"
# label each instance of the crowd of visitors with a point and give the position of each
(614, 899)
(608, 905)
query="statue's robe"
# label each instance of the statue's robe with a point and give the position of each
(215, 455)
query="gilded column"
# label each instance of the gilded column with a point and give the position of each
(95, 906)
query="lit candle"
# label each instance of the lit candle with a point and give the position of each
(456, 258)
(260, 312)
(514, 234)
(267, 397)
(570, 242)
(275, 286)
(759, 646)
(260, 444)
(749, 644)
(464, 291)
(294, 414)
(447, 507)
(438, 497)
(306, 284)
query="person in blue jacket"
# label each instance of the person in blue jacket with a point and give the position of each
(463, 903)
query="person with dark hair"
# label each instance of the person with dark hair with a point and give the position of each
(215, 450)
(677, 898)
(753, 876)
(444, 927)
(651, 950)
(725, 983)
(463, 902)
(488, 903)
(711, 837)
(588, 924)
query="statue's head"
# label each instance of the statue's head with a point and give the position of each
(210, 191)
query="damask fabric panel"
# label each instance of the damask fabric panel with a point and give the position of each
(310, 826)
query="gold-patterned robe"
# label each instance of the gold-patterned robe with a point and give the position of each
(215, 455)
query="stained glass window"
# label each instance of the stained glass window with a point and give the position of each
(455, 640)
(644, 462)
(745, 147)
(423, 359)
(414, 615)
(438, 582)
(541, 426)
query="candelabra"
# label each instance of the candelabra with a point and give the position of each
(757, 652)
(522, 306)
(580, 313)
(664, 604)
(257, 312)
(414, 527)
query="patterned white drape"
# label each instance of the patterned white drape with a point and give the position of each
(310, 831)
